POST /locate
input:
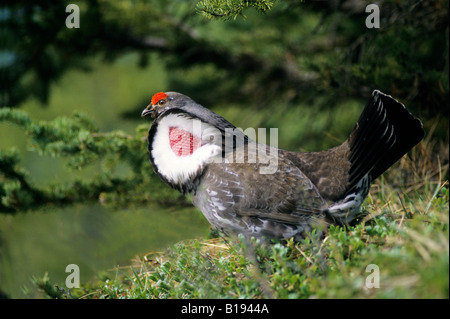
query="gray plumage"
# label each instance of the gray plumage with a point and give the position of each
(307, 189)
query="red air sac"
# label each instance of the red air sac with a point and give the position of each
(182, 142)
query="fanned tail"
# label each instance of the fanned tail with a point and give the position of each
(385, 132)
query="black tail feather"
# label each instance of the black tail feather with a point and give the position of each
(385, 132)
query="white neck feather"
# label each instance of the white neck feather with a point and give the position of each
(180, 169)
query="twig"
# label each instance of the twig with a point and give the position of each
(64, 292)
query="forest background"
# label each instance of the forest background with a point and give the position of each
(76, 186)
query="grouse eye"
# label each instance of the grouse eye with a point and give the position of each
(162, 102)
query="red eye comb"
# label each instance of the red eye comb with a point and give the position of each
(158, 96)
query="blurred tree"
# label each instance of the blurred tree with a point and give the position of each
(297, 50)
(316, 52)
(77, 138)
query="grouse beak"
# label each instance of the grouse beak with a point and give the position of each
(149, 110)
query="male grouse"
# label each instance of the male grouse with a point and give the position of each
(242, 186)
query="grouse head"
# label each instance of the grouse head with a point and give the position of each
(183, 138)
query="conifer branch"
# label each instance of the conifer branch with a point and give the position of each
(77, 138)
(216, 9)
